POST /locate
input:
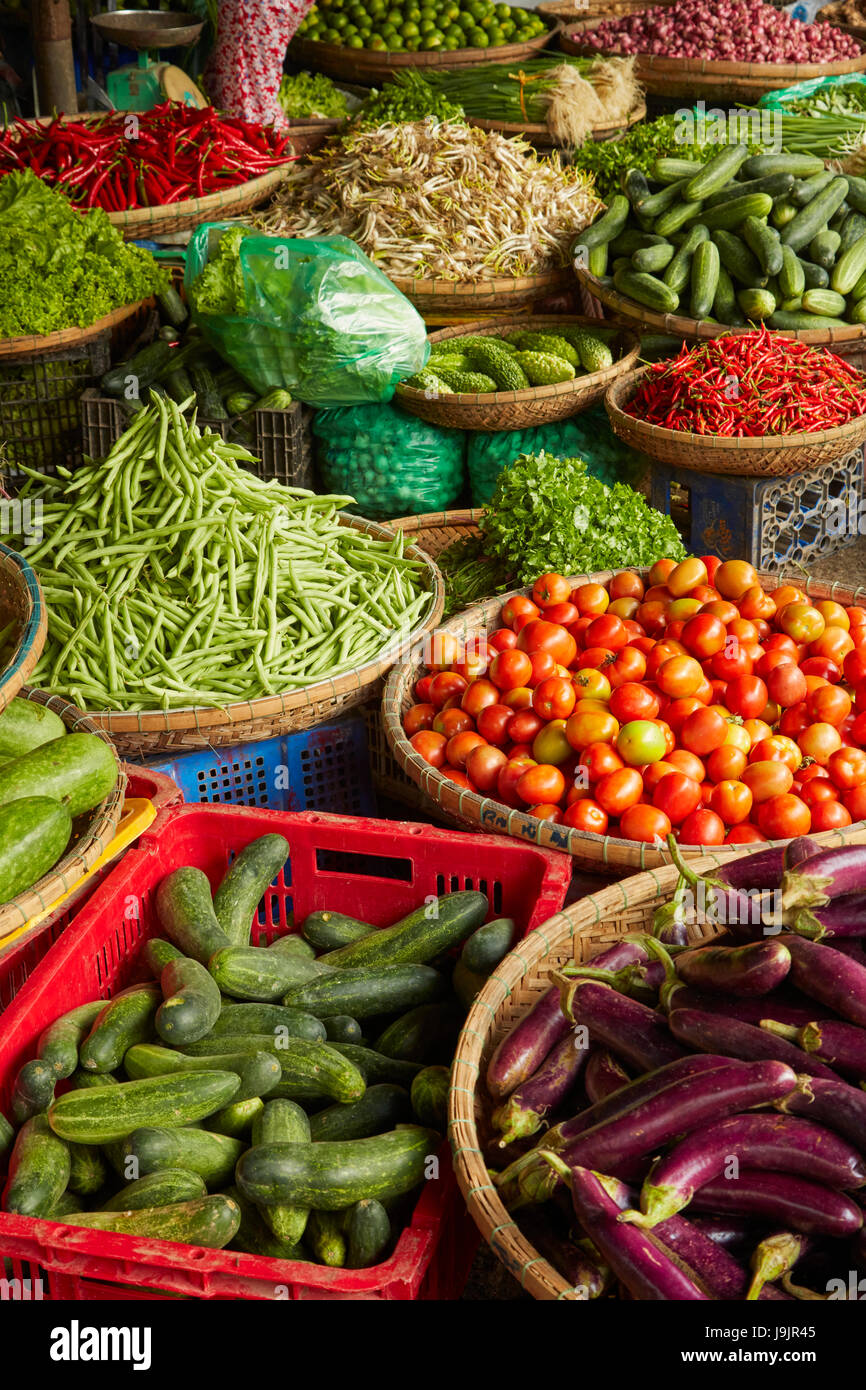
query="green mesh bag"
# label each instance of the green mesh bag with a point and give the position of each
(587, 436)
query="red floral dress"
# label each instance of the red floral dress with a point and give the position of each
(246, 64)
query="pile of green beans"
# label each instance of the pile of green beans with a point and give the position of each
(175, 578)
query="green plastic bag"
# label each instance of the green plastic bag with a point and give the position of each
(315, 318)
(392, 463)
(781, 98)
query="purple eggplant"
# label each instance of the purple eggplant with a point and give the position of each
(773, 1258)
(842, 1045)
(635, 1033)
(578, 1262)
(731, 1232)
(786, 1006)
(832, 1103)
(728, 1036)
(830, 977)
(804, 1206)
(843, 917)
(852, 947)
(604, 1075)
(831, 874)
(777, 1142)
(798, 850)
(522, 1051)
(669, 923)
(524, 1112)
(754, 870)
(756, 968)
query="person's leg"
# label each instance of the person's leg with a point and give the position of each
(246, 65)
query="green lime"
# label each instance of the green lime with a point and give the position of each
(395, 17)
(355, 41)
(478, 39)
(332, 36)
(507, 29)
(396, 42)
(495, 36)
(434, 40)
(378, 43)
(413, 14)
(502, 12)
(426, 27)
(451, 44)
(409, 29)
(413, 45)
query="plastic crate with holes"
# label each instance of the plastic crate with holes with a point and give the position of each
(374, 870)
(322, 769)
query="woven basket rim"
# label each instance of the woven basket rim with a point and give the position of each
(241, 196)
(857, 31)
(266, 706)
(780, 73)
(35, 344)
(625, 387)
(535, 130)
(467, 289)
(371, 60)
(96, 838)
(474, 808)
(426, 521)
(31, 641)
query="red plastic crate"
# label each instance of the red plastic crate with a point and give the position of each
(374, 870)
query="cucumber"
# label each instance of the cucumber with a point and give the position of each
(111, 1112)
(143, 370)
(79, 769)
(375, 1068)
(172, 307)
(333, 1176)
(704, 279)
(185, 910)
(839, 216)
(676, 276)
(857, 310)
(242, 888)
(268, 1018)
(725, 306)
(605, 228)
(39, 1168)
(91, 1080)
(764, 242)
(815, 215)
(342, 1028)
(777, 185)
(7, 1135)
(255, 1238)
(738, 260)
(823, 248)
(490, 944)
(792, 278)
(825, 302)
(366, 992)
(781, 319)
(668, 169)
(756, 304)
(815, 277)
(653, 258)
(677, 216)
(125, 1020)
(210, 406)
(159, 953)
(25, 725)
(856, 194)
(34, 832)
(597, 263)
(324, 1238)
(802, 166)
(853, 228)
(380, 1109)
(784, 211)
(635, 187)
(429, 1097)
(211, 1156)
(420, 937)
(368, 1231)
(260, 974)
(58, 1045)
(283, 1122)
(191, 1001)
(310, 1069)
(88, 1173)
(716, 173)
(420, 1035)
(33, 1091)
(291, 944)
(632, 240)
(729, 216)
(235, 1120)
(804, 190)
(850, 266)
(207, 1221)
(646, 289)
(467, 984)
(663, 201)
(67, 1202)
(161, 1189)
(178, 384)
(258, 1072)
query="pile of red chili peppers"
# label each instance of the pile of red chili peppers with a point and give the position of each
(147, 159)
(750, 384)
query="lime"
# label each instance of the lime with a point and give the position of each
(413, 45)
(395, 18)
(495, 36)
(502, 12)
(396, 42)
(507, 29)
(332, 36)
(478, 39)
(426, 27)
(378, 43)
(413, 14)
(434, 40)
(409, 30)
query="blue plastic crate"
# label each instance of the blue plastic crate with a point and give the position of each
(322, 769)
(772, 522)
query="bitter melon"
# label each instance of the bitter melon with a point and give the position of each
(548, 342)
(471, 383)
(543, 369)
(594, 354)
(429, 381)
(494, 361)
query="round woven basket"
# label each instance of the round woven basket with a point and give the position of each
(572, 12)
(768, 456)
(309, 133)
(829, 13)
(458, 298)
(433, 532)
(91, 833)
(148, 732)
(603, 854)
(41, 345)
(370, 66)
(703, 77)
(21, 601)
(578, 934)
(514, 410)
(541, 135)
(191, 212)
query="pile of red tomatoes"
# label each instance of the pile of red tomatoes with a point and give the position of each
(697, 703)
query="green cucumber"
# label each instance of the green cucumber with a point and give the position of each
(658, 203)
(429, 1097)
(172, 307)
(191, 1001)
(838, 219)
(111, 1112)
(208, 399)
(653, 258)
(716, 173)
(125, 1020)
(490, 944)
(729, 216)
(310, 1069)
(365, 992)
(856, 194)
(185, 909)
(605, 228)
(420, 937)
(823, 248)
(850, 266)
(784, 211)
(33, 1091)
(79, 769)
(781, 319)
(34, 832)
(676, 276)
(857, 310)
(268, 1018)
(738, 260)
(253, 1237)
(379, 1110)
(825, 302)
(422, 1034)
(646, 289)
(853, 228)
(764, 242)
(792, 278)
(242, 888)
(66, 1203)
(802, 166)
(704, 279)
(333, 1176)
(777, 185)
(159, 953)
(815, 277)
(91, 1080)
(258, 1072)
(207, 1221)
(325, 1239)
(368, 1231)
(677, 216)
(212, 1156)
(7, 1135)
(291, 944)
(635, 187)
(467, 984)
(143, 370)
(235, 1120)
(815, 215)
(283, 1122)
(375, 1068)
(163, 1188)
(669, 169)
(756, 304)
(39, 1168)
(342, 1028)
(597, 262)
(260, 974)
(804, 190)
(632, 240)
(88, 1173)
(25, 725)
(59, 1043)
(178, 384)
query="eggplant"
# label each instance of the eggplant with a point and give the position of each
(843, 917)
(829, 976)
(717, 1034)
(832, 1103)
(752, 871)
(635, 1033)
(843, 1045)
(798, 850)
(832, 873)
(851, 946)
(782, 1006)
(524, 1112)
(753, 969)
(777, 1142)
(773, 1258)
(604, 1075)
(522, 1051)
(578, 1263)
(731, 1232)
(669, 923)
(803, 1205)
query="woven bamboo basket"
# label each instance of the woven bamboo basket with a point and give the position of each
(578, 934)
(43, 345)
(768, 456)
(135, 223)
(571, 12)
(369, 67)
(702, 77)
(601, 854)
(540, 135)
(20, 601)
(829, 13)
(309, 133)
(91, 833)
(459, 298)
(146, 733)
(514, 410)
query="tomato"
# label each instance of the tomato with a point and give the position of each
(726, 764)
(518, 698)
(551, 745)
(591, 685)
(509, 670)
(756, 605)
(598, 759)
(829, 704)
(590, 726)
(492, 724)
(523, 726)
(440, 650)
(854, 667)
(733, 578)
(684, 609)
(746, 695)
(703, 731)
(783, 817)
(417, 718)
(478, 695)
(802, 622)
(668, 735)
(819, 740)
(830, 671)
(785, 683)
(778, 748)
(830, 815)
(624, 607)
(732, 801)
(544, 782)
(502, 640)
(562, 613)
(474, 659)
(539, 635)
(654, 772)
(704, 827)
(794, 721)
(618, 790)
(652, 617)
(483, 766)
(857, 730)
(588, 816)
(626, 584)
(785, 594)
(422, 690)
(722, 609)
(633, 701)
(554, 698)
(518, 606)
(704, 593)
(847, 768)
(453, 721)
(680, 676)
(460, 745)
(745, 834)
(509, 776)
(817, 790)
(834, 643)
(660, 570)
(641, 741)
(590, 599)
(549, 589)
(430, 746)
(678, 711)
(519, 750)
(704, 635)
(607, 631)
(855, 802)
(545, 811)
(767, 778)
(711, 564)
(833, 613)
(686, 575)
(444, 685)
(733, 661)
(455, 774)
(677, 795)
